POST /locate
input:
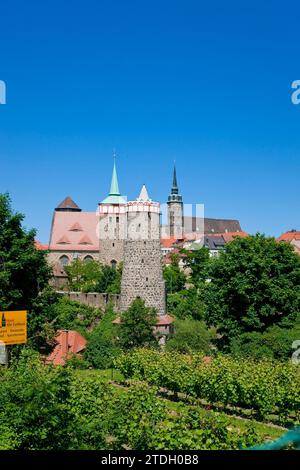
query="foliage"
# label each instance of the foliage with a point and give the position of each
(265, 386)
(186, 304)
(274, 343)
(91, 276)
(43, 407)
(102, 348)
(33, 405)
(198, 262)
(191, 335)
(136, 328)
(24, 271)
(174, 277)
(72, 315)
(255, 283)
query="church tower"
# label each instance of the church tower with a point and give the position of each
(142, 271)
(175, 210)
(111, 227)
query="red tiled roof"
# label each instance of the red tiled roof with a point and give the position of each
(85, 240)
(63, 221)
(39, 246)
(76, 228)
(289, 236)
(67, 343)
(168, 242)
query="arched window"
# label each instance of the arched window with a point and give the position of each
(64, 260)
(113, 263)
(88, 258)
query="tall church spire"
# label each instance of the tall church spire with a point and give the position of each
(175, 185)
(175, 210)
(114, 187)
(175, 196)
(114, 196)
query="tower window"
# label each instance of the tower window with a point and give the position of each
(113, 263)
(113, 244)
(118, 219)
(146, 279)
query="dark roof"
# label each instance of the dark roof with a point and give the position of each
(195, 224)
(68, 205)
(214, 242)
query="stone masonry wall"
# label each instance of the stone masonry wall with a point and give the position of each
(93, 299)
(142, 275)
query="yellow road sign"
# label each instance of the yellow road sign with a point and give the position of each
(13, 327)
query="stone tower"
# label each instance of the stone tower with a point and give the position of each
(142, 271)
(175, 210)
(111, 227)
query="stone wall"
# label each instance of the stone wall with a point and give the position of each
(142, 275)
(93, 299)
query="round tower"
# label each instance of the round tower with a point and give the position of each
(142, 271)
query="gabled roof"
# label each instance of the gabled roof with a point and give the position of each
(75, 344)
(68, 205)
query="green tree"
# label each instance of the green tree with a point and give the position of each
(186, 304)
(274, 343)
(191, 336)
(102, 348)
(137, 324)
(24, 271)
(175, 279)
(84, 276)
(34, 411)
(197, 260)
(255, 283)
(92, 276)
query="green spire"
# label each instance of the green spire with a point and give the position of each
(114, 196)
(114, 188)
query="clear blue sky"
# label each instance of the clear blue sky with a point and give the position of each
(205, 83)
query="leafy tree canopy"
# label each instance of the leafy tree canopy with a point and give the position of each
(255, 283)
(24, 271)
(136, 328)
(91, 276)
(197, 261)
(191, 336)
(175, 278)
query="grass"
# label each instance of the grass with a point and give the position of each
(265, 431)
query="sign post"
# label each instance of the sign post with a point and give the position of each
(13, 327)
